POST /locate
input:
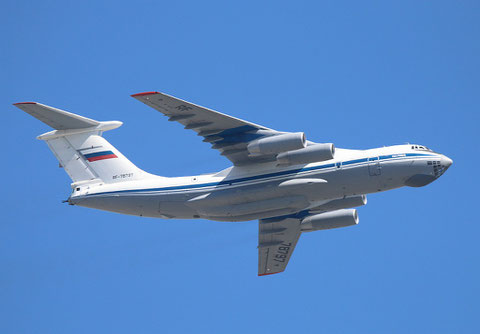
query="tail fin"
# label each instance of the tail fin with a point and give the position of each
(78, 145)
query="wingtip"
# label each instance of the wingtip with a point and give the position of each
(144, 93)
(15, 104)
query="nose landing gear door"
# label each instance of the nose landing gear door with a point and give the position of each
(374, 168)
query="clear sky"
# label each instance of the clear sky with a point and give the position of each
(360, 74)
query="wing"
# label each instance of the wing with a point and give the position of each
(277, 238)
(227, 134)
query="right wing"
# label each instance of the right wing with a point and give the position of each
(277, 238)
(225, 133)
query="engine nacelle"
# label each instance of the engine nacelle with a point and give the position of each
(276, 144)
(312, 153)
(328, 220)
(342, 203)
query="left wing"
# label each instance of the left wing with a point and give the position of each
(228, 134)
(277, 238)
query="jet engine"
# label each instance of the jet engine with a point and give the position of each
(328, 220)
(312, 153)
(276, 144)
(342, 203)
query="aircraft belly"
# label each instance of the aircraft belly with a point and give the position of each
(262, 191)
(294, 203)
(258, 201)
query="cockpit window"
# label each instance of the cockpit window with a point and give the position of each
(421, 148)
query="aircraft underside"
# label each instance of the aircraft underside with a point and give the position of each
(290, 185)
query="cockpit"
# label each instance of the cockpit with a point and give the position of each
(420, 148)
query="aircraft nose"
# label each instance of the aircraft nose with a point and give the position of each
(446, 161)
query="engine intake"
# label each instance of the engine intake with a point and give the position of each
(312, 153)
(276, 144)
(329, 220)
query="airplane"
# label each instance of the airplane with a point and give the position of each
(287, 183)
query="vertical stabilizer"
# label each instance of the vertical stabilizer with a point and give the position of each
(78, 145)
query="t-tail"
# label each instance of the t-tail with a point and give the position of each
(78, 145)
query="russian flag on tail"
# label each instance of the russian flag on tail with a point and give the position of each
(100, 156)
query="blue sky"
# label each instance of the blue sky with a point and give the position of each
(358, 74)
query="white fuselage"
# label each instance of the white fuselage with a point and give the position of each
(242, 193)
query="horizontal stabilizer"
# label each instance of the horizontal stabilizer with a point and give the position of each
(56, 118)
